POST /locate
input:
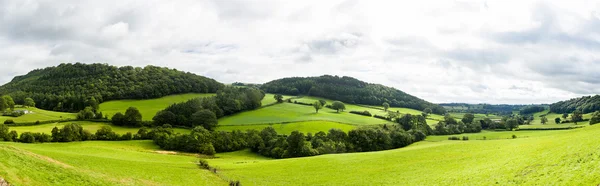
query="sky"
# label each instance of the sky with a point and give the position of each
(499, 52)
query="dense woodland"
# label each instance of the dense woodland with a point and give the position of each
(69, 87)
(501, 109)
(528, 110)
(586, 104)
(348, 90)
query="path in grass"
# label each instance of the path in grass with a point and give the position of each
(38, 115)
(90, 126)
(99, 163)
(568, 157)
(289, 112)
(287, 128)
(148, 107)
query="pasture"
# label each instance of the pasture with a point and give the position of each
(287, 128)
(87, 125)
(100, 163)
(38, 115)
(567, 157)
(148, 107)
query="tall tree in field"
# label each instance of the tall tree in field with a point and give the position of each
(386, 106)
(338, 105)
(512, 124)
(323, 102)
(3, 104)
(205, 118)
(133, 117)
(557, 120)
(29, 102)
(577, 116)
(92, 102)
(544, 120)
(427, 111)
(9, 101)
(468, 118)
(595, 118)
(317, 105)
(565, 116)
(279, 98)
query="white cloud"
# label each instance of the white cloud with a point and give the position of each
(441, 51)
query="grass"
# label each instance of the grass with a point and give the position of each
(38, 115)
(99, 163)
(537, 121)
(90, 126)
(287, 128)
(544, 158)
(269, 99)
(148, 107)
(289, 112)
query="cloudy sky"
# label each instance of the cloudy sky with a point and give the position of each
(443, 51)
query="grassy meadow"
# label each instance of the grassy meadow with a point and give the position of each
(100, 163)
(148, 107)
(287, 128)
(567, 157)
(38, 115)
(87, 125)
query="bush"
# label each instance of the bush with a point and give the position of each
(203, 164)
(514, 136)
(364, 113)
(382, 117)
(9, 121)
(453, 138)
(235, 183)
(302, 103)
(465, 138)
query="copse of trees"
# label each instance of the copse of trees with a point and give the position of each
(466, 125)
(577, 116)
(585, 104)
(595, 118)
(131, 118)
(28, 102)
(338, 106)
(69, 87)
(6, 102)
(229, 100)
(348, 90)
(531, 109)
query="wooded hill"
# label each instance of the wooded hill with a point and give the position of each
(67, 87)
(349, 90)
(585, 104)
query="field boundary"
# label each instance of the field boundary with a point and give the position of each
(288, 122)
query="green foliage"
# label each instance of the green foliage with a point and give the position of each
(512, 123)
(9, 121)
(468, 118)
(279, 98)
(531, 109)
(29, 102)
(70, 87)
(87, 113)
(557, 120)
(577, 116)
(204, 118)
(544, 120)
(349, 90)
(317, 105)
(386, 106)
(338, 106)
(595, 118)
(585, 104)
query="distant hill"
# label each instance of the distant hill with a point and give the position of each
(69, 87)
(349, 90)
(586, 104)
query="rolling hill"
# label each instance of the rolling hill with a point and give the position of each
(348, 90)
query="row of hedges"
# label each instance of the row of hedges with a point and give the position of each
(555, 128)
(302, 103)
(364, 113)
(382, 117)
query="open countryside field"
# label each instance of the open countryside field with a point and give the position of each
(38, 115)
(289, 112)
(562, 158)
(99, 163)
(269, 99)
(148, 107)
(287, 128)
(537, 121)
(90, 126)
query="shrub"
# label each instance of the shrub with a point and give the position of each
(382, 117)
(364, 113)
(453, 138)
(465, 138)
(235, 183)
(514, 136)
(9, 121)
(203, 164)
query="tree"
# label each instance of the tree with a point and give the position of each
(386, 106)
(132, 117)
(512, 124)
(557, 120)
(323, 102)
(279, 98)
(204, 118)
(92, 102)
(29, 102)
(468, 118)
(9, 102)
(317, 105)
(118, 119)
(565, 116)
(3, 104)
(338, 105)
(595, 118)
(544, 120)
(577, 116)
(86, 113)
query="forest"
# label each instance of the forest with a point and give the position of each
(585, 104)
(348, 90)
(69, 87)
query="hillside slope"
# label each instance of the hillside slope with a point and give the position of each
(586, 104)
(349, 90)
(67, 87)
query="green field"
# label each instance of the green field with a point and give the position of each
(90, 126)
(543, 158)
(38, 115)
(269, 99)
(287, 128)
(99, 163)
(537, 121)
(289, 112)
(148, 107)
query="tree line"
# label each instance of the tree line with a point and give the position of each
(585, 104)
(67, 87)
(348, 90)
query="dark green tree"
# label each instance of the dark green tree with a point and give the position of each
(544, 120)
(338, 105)
(29, 102)
(512, 124)
(279, 98)
(468, 118)
(132, 117)
(204, 118)
(557, 120)
(386, 106)
(595, 118)
(577, 116)
(317, 105)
